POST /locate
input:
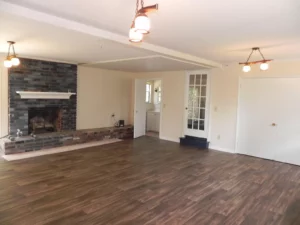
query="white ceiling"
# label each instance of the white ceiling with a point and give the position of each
(222, 31)
(35, 39)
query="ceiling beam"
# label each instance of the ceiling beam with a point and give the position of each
(146, 57)
(100, 33)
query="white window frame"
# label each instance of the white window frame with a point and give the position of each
(148, 93)
(159, 95)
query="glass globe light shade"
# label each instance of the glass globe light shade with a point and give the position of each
(142, 24)
(247, 68)
(15, 61)
(264, 66)
(7, 63)
(135, 36)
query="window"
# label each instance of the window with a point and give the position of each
(148, 93)
(159, 95)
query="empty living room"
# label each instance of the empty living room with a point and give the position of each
(144, 112)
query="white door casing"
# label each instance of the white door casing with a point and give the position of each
(268, 124)
(196, 116)
(140, 108)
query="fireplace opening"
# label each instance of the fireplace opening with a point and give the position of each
(44, 120)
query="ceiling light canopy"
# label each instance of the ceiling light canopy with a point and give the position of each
(263, 63)
(11, 58)
(141, 24)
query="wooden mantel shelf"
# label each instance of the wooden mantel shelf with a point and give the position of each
(44, 95)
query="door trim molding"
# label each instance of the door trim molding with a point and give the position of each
(237, 128)
(161, 104)
(135, 109)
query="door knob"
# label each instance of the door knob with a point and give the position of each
(186, 108)
(273, 124)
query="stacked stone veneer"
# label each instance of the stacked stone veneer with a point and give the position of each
(37, 75)
(58, 139)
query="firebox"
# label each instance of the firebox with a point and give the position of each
(44, 120)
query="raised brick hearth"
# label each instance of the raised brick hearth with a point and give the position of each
(58, 139)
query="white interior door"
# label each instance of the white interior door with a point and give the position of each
(197, 104)
(268, 119)
(140, 108)
(288, 127)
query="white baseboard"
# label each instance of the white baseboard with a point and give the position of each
(169, 139)
(221, 149)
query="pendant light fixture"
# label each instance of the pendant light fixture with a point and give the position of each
(11, 58)
(247, 68)
(135, 36)
(141, 24)
(263, 63)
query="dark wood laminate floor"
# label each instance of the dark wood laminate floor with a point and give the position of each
(148, 181)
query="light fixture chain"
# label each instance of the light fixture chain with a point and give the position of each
(250, 56)
(261, 54)
(8, 52)
(137, 6)
(13, 47)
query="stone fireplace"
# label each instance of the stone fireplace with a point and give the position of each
(43, 100)
(44, 120)
(42, 115)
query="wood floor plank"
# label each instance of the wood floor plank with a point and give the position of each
(148, 181)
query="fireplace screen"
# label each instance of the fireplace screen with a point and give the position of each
(44, 120)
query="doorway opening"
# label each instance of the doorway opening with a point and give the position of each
(153, 106)
(148, 100)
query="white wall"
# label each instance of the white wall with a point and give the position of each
(101, 93)
(224, 98)
(3, 98)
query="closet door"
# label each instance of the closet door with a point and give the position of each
(269, 125)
